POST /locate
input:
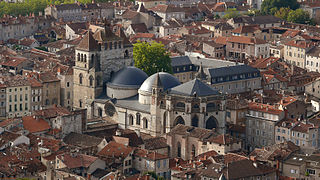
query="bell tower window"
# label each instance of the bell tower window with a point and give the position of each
(80, 78)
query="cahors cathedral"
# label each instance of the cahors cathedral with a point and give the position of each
(107, 85)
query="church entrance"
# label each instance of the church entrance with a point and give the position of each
(211, 123)
(179, 120)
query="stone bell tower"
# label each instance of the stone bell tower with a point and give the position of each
(156, 96)
(87, 74)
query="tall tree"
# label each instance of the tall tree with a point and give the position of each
(267, 5)
(283, 13)
(151, 57)
(231, 13)
(299, 16)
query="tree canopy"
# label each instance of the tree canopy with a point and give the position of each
(231, 13)
(151, 57)
(299, 16)
(34, 6)
(272, 5)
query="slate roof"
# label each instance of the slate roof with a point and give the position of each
(180, 61)
(314, 52)
(192, 88)
(129, 77)
(232, 70)
(139, 28)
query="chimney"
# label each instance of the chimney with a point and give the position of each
(118, 132)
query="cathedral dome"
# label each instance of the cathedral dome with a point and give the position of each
(167, 81)
(129, 77)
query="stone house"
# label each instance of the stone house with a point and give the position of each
(312, 92)
(119, 151)
(62, 119)
(149, 3)
(170, 27)
(267, 21)
(20, 27)
(79, 164)
(295, 52)
(51, 89)
(243, 47)
(301, 166)
(166, 12)
(300, 133)
(36, 94)
(145, 161)
(234, 79)
(236, 111)
(65, 12)
(75, 30)
(84, 143)
(213, 49)
(9, 139)
(260, 124)
(18, 93)
(65, 75)
(188, 142)
(312, 59)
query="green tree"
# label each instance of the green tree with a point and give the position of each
(151, 57)
(231, 13)
(299, 16)
(283, 13)
(253, 12)
(267, 5)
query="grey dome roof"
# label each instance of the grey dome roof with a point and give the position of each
(167, 81)
(129, 77)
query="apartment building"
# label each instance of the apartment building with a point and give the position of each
(18, 93)
(260, 123)
(243, 47)
(36, 94)
(235, 79)
(295, 52)
(313, 59)
(300, 133)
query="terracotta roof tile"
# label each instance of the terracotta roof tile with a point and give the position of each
(88, 43)
(113, 149)
(34, 125)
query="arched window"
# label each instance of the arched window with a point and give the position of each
(180, 104)
(110, 45)
(98, 80)
(195, 121)
(91, 80)
(100, 112)
(130, 119)
(78, 56)
(179, 149)
(126, 53)
(193, 151)
(115, 45)
(80, 78)
(164, 122)
(92, 59)
(81, 57)
(85, 58)
(80, 103)
(145, 121)
(47, 101)
(119, 44)
(138, 117)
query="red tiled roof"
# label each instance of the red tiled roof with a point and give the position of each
(302, 127)
(52, 112)
(13, 61)
(264, 62)
(264, 108)
(113, 149)
(300, 44)
(245, 40)
(77, 160)
(149, 155)
(34, 125)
